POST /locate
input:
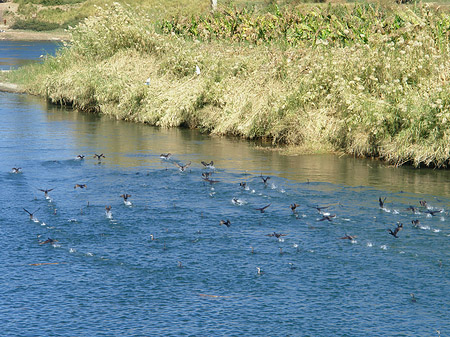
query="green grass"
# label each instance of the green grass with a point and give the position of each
(385, 94)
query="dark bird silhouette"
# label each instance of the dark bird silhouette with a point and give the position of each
(433, 213)
(412, 208)
(348, 237)
(80, 186)
(80, 156)
(51, 241)
(275, 234)
(293, 207)
(208, 165)
(264, 179)
(381, 201)
(31, 214)
(99, 156)
(413, 298)
(125, 196)
(206, 175)
(182, 167)
(262, 209)
(243, 184)
(226, 223)
(319, 208)
(423, 203)
(328, 217)
(396, 230)
(16, 169)
(165, 155)
(415, 223)
(46, 191)
(108, 208)
(211, 181)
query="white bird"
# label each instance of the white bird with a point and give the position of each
(147, 82)
(197, 70)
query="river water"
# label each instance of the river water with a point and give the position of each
(105, 276)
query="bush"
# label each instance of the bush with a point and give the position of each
(35, 24)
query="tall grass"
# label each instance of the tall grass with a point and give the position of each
(384, 95)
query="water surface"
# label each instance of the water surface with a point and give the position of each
(105, 276)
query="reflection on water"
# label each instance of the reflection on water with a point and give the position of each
(14, 54)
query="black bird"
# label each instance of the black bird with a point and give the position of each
(265, 179)
(381, 201)
(226, 223)
(433, 213)
(125, 196)
(415, 223)
(16, 169)
(99, 156)
(182, 167)
(206, 175)
(328, 217)
(412, 208)
(46, 191)
(31, 214)
(243, 184)
(51, 241)
(275, 234)
(108, 208)
(293, 207)
(208, 165)
(348, 237)
(413, 298)
(423, 203)
(319, 208)
(80, 186)
(165, 155)
(396, 230)
(211, 181)
(262, 209)
(80, 156)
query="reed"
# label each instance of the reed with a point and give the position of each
(380, 91)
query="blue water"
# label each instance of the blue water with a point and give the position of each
(105, 276)
(18, 53)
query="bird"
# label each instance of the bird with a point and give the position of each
(197, 70)
(206, 175)
(291, 266)
(412, 208)
(108, 208)
(46, 191)
(147, 81)
(180, 265)
(259, 271)
(243, 184)
(348, 237)
(80, 186)
(328, 217)
(125, 196)
(262, 209)
(264, 179)
(48, 241)
(275, 234)
(80, 156)
(182, 167)
(211, 181)
(381, 201)
(319, 208)
(152, 237)
(433, 213)
(31, 214)
(208, 165)
(165, 156)
(226, 223)
(396, 230)
(99, 156)
(252, 250)
(415, 223)
(16, 170)
(293, 207)
(423, 203)
(413, 298)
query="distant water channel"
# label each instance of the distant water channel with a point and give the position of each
(104, 275)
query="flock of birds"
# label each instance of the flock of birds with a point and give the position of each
(207, 176)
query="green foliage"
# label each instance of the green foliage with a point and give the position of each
(365, 80)
(35, 24)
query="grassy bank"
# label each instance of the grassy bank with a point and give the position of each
(363, 80)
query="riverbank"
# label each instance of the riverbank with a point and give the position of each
(363, 80)
(25, 35)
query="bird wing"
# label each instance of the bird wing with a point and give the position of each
(176, 164)
(187, 165)
(204, 163)
(28, 212)
(266, 206)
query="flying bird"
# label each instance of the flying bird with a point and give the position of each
(182, 167)
(16, 169)
(80, 186)
(31, 214)
(328, 217)
(275, 234)
(125, 196)
(264, 179)
(381, 202)
(348, 237)
(226, 223)
(293, 207)
(165, 155)
(262, 209)
(99, 156)
(208, 165)
(46, 191)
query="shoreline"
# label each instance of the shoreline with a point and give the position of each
(11, 87)
(27, 35)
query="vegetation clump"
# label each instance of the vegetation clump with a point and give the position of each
(375, 84)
